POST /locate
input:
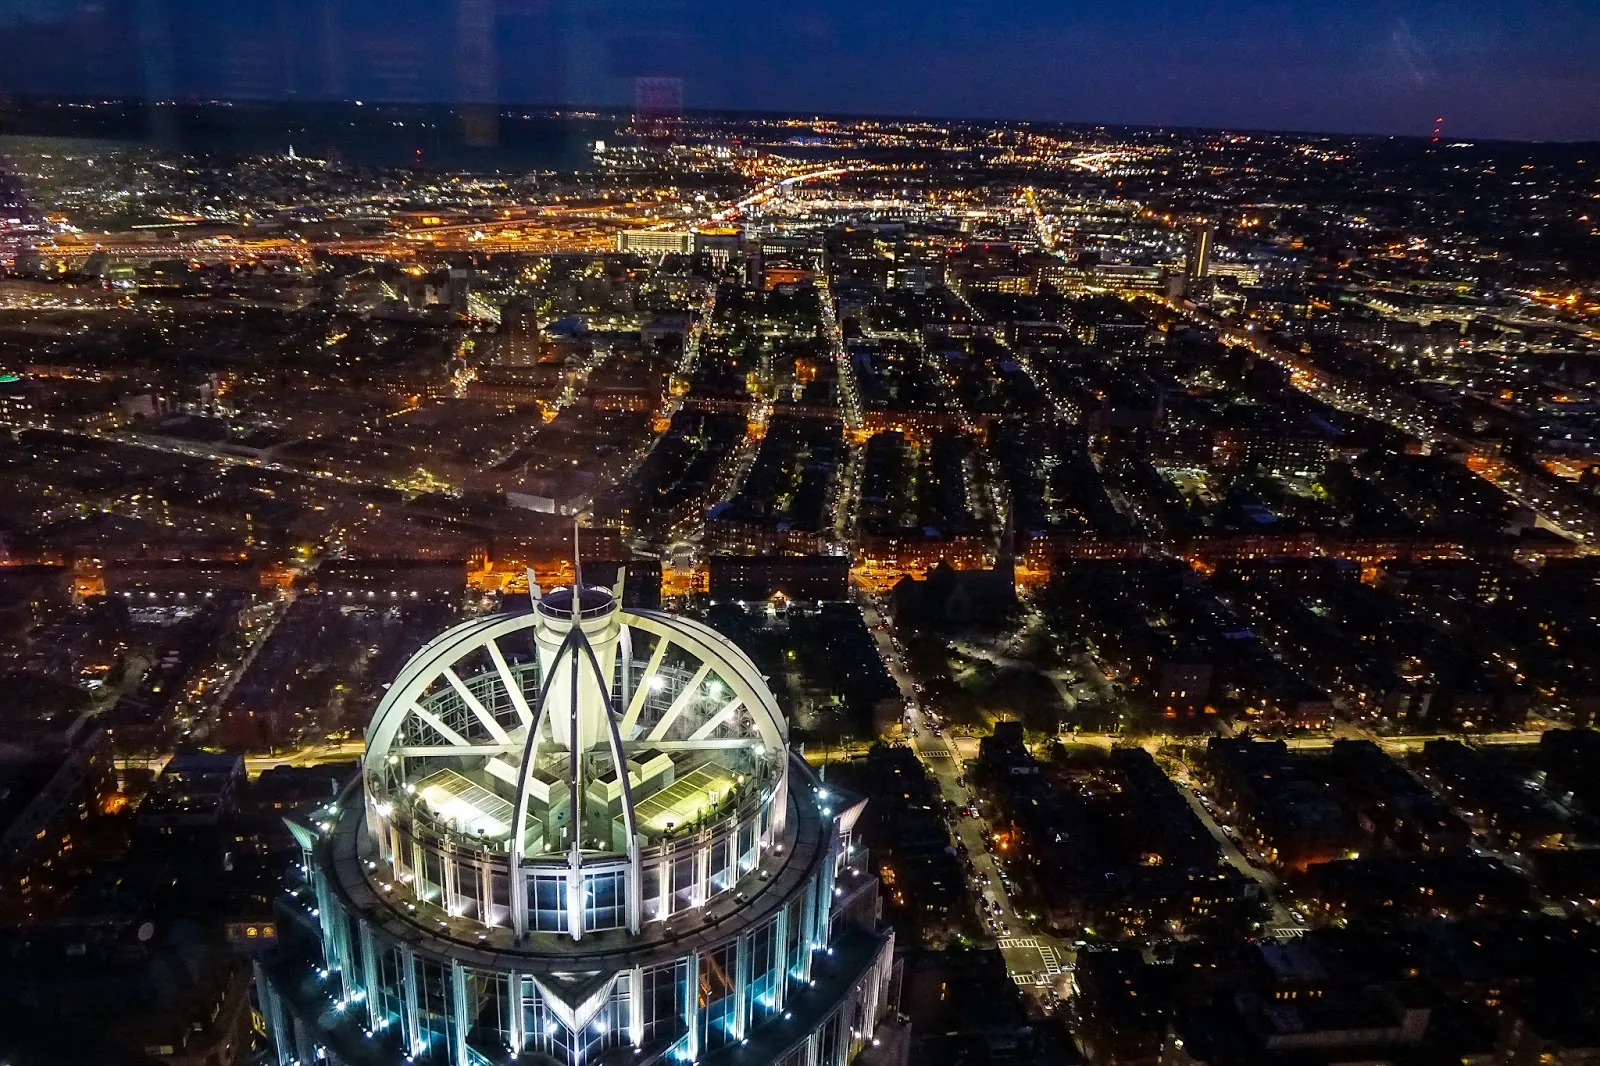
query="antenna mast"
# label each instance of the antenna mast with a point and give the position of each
(577, 567)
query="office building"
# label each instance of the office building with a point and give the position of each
(1197, 259)
(656, 242)
(519, 333)
(579, 837)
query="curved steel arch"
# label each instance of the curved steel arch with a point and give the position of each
(708, 645)
(426, 667)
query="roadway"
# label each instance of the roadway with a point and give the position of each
(217, 698)
(309, 755)
(768, 191)
(191, 450)
(1036, 962)
(1281, 922)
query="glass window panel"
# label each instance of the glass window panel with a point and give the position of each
(722, 850)
(550, 903)
(664, 1000)
(682, 880)
(605, 905)
(717, 977)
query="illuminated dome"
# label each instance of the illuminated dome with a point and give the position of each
(578, 836)
(472, 751)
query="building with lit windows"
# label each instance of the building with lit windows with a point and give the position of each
(656, 242)
(579, 836)
(1197, 259)
(1198, 284)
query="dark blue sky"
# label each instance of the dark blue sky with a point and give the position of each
(1492, 68)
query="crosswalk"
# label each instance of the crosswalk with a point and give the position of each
(1048, 953)
(935, 753)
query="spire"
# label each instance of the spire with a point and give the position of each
(577, 567)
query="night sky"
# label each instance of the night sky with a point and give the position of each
(1491, 68)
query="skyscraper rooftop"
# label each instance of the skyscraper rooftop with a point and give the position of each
(579, 833)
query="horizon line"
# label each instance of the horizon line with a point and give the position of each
(621, 111)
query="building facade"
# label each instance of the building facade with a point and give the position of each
(656, 242)
(579, 837)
